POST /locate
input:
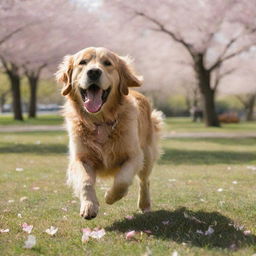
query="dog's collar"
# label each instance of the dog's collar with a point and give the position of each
(112, 124)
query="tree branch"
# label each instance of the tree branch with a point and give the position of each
(161, 28)
(220, 76)
(222, 57)
(13, 33)
(5, 64)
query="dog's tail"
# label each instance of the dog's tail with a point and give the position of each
(157, 118)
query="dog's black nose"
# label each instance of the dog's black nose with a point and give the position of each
(94, 73)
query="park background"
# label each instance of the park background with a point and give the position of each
(196, 56)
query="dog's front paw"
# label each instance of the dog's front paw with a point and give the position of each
(89, 210)
(115, 194)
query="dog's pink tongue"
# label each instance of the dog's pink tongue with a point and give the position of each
(94, 100)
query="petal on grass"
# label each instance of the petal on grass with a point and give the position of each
(149, 232)
(209, 231)
(30, 242)
(51, 231)
(11, 201)
(247, 232)
(27, 228)
(23, 198)
(129, 217)
(175, 253)
(200, 232)
(165, 222)
(98, 234)
(35, 188)
(129, 235)
(85, 238)
(251, 167)
(19, 215)
(19, 169)
(4, 230)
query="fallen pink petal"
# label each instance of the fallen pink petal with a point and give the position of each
(4, 230)
(30, 242)
(130, 234)
(85, 237)
(23, 198)
(18, 169)
(209, 232)
(51, 231)
(35, 188)
(165, 222)
(27, 228)
(98, 234)
(175, 253)
(247, 232)
(129, 217)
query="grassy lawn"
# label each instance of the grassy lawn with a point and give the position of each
(184, 124)
(48, 119)
(185, 185)
(173, 124)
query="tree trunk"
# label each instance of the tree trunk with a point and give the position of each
(3, 100)
(208, 94)
(33, 81)
(14, 77)
(250, 108)
(16, 97)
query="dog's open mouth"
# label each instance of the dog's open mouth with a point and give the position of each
(94, 97)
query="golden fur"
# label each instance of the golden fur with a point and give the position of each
(120, 140)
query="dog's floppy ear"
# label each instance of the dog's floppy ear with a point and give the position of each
(128, 78)
(64, 74)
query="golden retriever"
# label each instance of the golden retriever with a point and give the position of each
(112, 130)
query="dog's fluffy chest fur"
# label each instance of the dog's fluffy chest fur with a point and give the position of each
(102, 146)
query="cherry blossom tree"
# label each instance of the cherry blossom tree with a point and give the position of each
(209, 34)
(62, 27)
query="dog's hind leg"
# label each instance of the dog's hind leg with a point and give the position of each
(144, 201)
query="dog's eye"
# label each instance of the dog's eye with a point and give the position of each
(83, 62)
(107, 63)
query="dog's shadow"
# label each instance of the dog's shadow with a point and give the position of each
(184, 226)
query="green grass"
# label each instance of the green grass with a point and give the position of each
(174, 125)
(41, 120)
(199, 166)
(184, 124)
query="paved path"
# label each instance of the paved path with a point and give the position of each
(210, 135)
(39, 128)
